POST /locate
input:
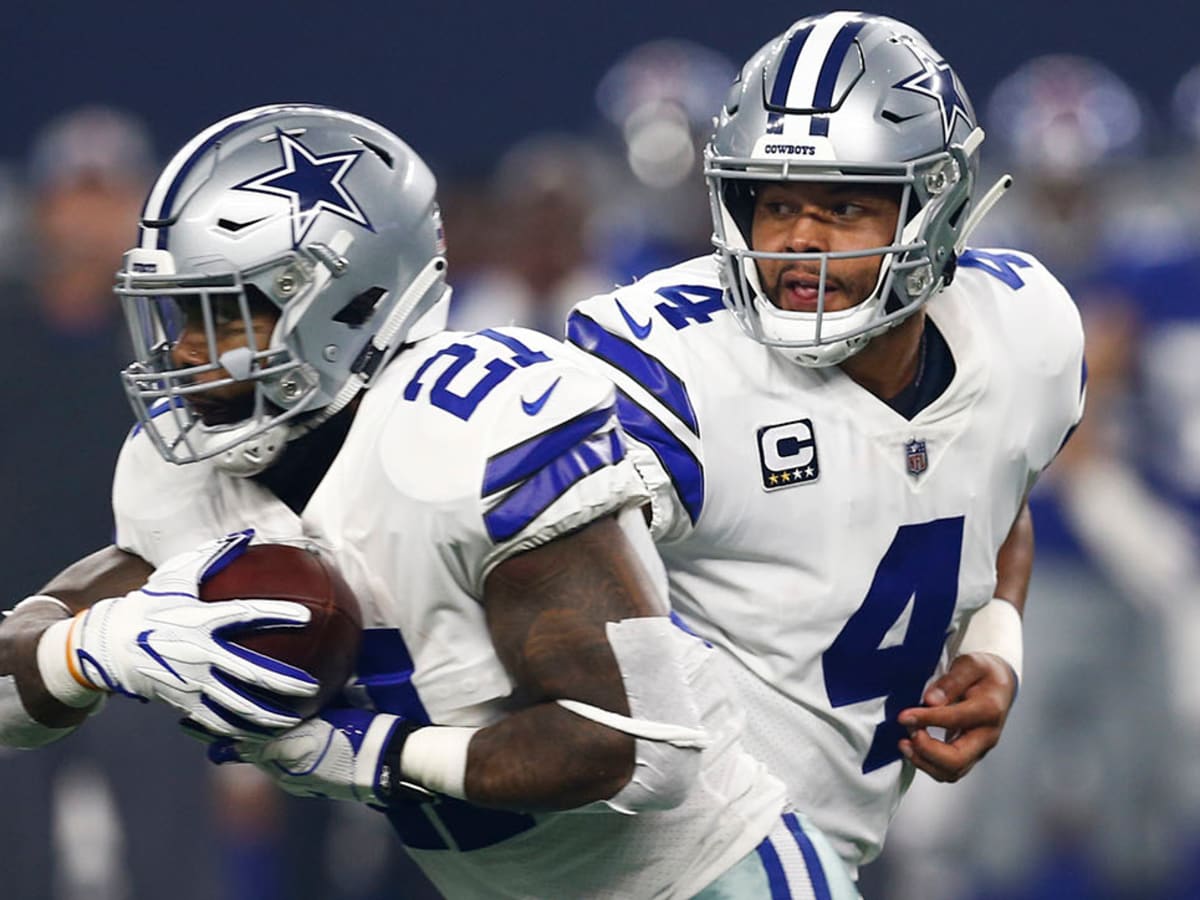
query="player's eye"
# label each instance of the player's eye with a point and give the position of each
(847, 209)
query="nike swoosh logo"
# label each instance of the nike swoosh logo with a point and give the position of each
(639, 331)
(143, 641)
(532, 408)
(231, 225)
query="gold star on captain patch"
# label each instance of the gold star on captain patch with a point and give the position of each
(785, 477)
(774, 479)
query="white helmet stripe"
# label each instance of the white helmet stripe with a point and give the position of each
(809, 66)
(162, 196)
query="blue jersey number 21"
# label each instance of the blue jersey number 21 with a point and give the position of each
(921, 567)
(462, 403)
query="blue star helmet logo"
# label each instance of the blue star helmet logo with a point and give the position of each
(311, 184)
(937, 81)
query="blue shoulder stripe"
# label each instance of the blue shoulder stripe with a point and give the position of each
(681, 465)
(518, 463)
(525, 503)
(589, 336)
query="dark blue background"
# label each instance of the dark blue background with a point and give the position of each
(462, 80)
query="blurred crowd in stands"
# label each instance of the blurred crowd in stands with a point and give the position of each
(1094, 791)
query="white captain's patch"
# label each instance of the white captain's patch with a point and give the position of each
(788, 454)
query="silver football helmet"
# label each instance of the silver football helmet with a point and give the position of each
(324, 221)
(850, 97)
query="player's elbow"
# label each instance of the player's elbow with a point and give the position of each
(616, 765)
(661, 778)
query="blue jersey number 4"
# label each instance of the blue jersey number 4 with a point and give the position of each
(919, 570)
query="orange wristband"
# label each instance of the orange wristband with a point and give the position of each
(72, 665)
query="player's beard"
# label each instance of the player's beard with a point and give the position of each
(853, 287)
(216, 410)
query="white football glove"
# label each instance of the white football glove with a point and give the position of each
(343, 754)
(162, 642)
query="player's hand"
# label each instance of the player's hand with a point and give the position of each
(971, 702)
(338, 755)
(162, 642)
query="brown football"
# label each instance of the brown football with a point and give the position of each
(327, 647)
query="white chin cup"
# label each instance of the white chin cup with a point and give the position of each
(785, 331)
(254, 454)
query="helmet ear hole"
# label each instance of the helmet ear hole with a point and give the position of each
(360, 308)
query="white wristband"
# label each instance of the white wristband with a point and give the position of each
(995, 628)
(436, 758)
(39, 598)
(53, 655)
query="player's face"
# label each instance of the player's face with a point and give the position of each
(819, 217)
(232, 402)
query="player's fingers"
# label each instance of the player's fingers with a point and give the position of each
(951, 687)
(973, 713)
(248, 713)
(946, 761)
(194, 729)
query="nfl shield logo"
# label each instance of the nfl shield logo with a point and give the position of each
(918, 459)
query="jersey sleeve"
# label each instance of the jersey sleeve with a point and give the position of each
(614, 335)
(532, 452)
(1043, 334)
(161, 509)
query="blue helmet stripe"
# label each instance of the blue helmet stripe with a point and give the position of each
(517, 463)
(680, 464)
(787, 67)
(783, 78)
(646, 370)
(164, 207)
(827, 79)
(525, 503)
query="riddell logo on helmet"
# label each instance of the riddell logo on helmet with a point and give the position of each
(791, 149)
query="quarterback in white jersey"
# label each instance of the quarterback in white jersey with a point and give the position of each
(524, 711)
(832, 497)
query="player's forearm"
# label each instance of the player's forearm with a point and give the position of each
(1014, 562)
(109, 572)
(105, 573)
(546, 758)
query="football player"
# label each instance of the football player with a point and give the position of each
(517, 661)
(839, 415)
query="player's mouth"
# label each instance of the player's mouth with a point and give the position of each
(799, 291)
(221, 411)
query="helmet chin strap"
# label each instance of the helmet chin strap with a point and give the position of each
(987, 201)
(982, 208)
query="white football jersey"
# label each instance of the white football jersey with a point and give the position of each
(469, 449)
(827, 544)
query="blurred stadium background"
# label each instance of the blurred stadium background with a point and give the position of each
(566, 138)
